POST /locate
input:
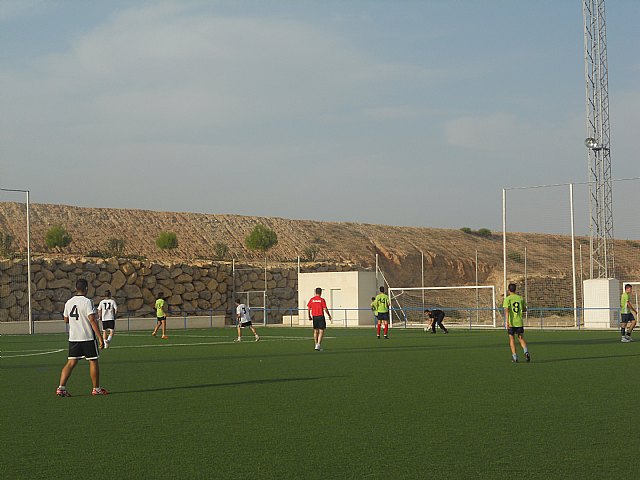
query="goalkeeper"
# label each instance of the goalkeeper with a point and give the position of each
(436, 317)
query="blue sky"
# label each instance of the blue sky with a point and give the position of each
(395, 112)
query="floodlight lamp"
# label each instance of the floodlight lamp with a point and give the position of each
(591, 143)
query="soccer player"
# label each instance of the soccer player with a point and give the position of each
(514, 307)
(107, 311)
(627, 321)
(243, 314)
(373, 309)
(436, 317)
(84, 333)
(316, 309)
(382, 312)
(161, 318)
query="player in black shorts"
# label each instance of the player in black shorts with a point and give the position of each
(436, 317)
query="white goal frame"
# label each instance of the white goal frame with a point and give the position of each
(246, 297)
(394, 298)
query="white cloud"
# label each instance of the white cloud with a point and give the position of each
(162, 70)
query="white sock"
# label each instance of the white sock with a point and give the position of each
(109, 338)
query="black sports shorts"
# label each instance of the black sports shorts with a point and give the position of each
(88, 350)
(626, 317)
(383, 316)
(109, 324)
(515, 330)
(319, 323)
(161, 319)
(245, 324)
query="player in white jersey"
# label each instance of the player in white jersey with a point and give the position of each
(243, 315)
(79, 313)
(107, 311)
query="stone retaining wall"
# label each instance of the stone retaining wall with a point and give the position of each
(204, 286)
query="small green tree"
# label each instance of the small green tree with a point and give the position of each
(167, 241)
(466, 230)
(221, 250)
(484, 232)
(57, 237)
(261, 238)
(6, 244)
(115, 247)
(311, 252)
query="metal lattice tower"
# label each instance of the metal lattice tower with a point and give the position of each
(598, 132)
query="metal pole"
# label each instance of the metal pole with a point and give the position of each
(377, 268)
(526, 284)
(573, 258)
(422, 266)
(31, 329)
(504, 241)
(477, 292)
(264, 302)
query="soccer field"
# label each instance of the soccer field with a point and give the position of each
(415, 406)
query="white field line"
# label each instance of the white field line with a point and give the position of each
(33, 354)
(163, 345)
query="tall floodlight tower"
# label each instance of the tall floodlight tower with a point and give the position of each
(599, 155)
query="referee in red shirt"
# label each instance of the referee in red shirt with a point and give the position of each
(316, 308)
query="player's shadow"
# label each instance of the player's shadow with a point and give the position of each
(225, 384)
(594, 357)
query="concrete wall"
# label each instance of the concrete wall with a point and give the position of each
(350, 307)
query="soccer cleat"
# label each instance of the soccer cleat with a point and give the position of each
(238, 340)
(99, 391)
(257, 338)
(378, 336)
(62, 392)
(153, 334)
(629, 338)
(106, 344)
(164, 337)
(527, 356)
(386, 337)
(625, 339)
(514, 360)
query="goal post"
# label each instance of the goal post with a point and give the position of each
(256, 300)
(463, 305)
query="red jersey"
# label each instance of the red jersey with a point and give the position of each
(317, 306)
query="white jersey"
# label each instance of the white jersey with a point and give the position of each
(77, 310)
(244, 312)
(108, 309)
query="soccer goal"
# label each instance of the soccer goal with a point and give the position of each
(256, 300)
(463, 305)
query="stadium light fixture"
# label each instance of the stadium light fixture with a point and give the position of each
(592, 144)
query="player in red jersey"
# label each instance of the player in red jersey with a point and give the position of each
(316, 309)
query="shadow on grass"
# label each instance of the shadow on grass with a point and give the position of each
(225, 384)
(595, 357)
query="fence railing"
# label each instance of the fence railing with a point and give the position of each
(469, 318)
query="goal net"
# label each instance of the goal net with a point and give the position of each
(463, 305)
(256, 300)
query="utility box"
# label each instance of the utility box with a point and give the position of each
(348, 296)
(601, 303)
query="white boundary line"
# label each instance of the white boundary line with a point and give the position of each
(33, 354)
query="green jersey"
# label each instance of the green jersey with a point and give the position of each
(160, 307)
(382, 303)
(516, 305)
(624, 303)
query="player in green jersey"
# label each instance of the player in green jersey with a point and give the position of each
(381, 303)
(161, 318)
(514, 307)
(627, 320)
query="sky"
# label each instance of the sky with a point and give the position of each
(400, 112)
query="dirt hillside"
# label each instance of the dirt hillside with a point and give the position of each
(449, 255)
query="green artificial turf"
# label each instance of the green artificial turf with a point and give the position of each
(414, 406)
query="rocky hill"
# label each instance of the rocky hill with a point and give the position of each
(449, 255)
